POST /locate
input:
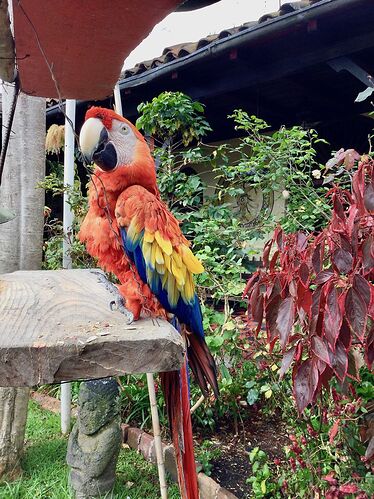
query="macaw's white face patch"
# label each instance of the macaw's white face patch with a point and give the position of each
(124, 141)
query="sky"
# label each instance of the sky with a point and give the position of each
(191, 26)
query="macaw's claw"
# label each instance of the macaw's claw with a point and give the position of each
(118, 303)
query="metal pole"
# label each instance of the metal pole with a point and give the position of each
(68, 180)
(67, 225)
(150, 381)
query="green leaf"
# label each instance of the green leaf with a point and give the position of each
(252, 396)
(263, 486)
(230, 326)
(253, 454)
(225, 373)
(268, 394)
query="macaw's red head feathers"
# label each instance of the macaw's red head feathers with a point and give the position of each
(117, 148)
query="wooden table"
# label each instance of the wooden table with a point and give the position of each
(57, 325)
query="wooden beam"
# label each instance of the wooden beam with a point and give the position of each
(57, 325)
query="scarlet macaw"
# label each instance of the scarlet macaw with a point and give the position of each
(133, 234)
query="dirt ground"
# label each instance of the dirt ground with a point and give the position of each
(232, 469)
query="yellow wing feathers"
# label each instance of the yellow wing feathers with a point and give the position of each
(174, 265)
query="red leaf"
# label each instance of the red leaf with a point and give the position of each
(304, 273)
(317, 259)
(251, 281)
(302, 241)
(258, 312)
(369, 348)
(271, 313)
(352, 213)
(320, 349)
(345, 335)
(326, 376)
(299, 351)
(351, 155)
(369, 197)
(323, 276)
(338, 208)
(305, 380)
(343, 260)
(265, 256)
(330, 478)
(348, 488)
(315, 309)
(286, 361)
(304, 298)
(292, 288)
(356, 312)
(339, 361)
(353, 367)
(358, 183)
(273, 261)
(334, 430)
(361, 285)
(285, 320)
(367, 258)
(278, 234)
(345, 244)
(332, 318)
(254, 298)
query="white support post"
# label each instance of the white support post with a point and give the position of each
(117, 100)
(67, 224)
(150, 381)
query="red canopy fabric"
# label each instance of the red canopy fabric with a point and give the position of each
(75, 50)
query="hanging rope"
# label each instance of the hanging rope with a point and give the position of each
(8, 126)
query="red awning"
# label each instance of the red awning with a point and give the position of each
(75, 50)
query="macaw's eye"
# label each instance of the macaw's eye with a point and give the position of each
(124, 130)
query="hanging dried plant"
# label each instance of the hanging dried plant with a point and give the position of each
(55, 139)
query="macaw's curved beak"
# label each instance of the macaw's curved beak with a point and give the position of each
(95, 145)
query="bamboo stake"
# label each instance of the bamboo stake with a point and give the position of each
(157, 436)
(150, 381)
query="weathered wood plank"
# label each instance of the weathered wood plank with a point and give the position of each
(57, 325)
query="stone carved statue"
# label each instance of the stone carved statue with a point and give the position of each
(95, 440)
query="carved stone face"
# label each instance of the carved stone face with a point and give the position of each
(98, 404)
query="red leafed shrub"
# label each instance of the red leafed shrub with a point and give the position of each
(315, 293)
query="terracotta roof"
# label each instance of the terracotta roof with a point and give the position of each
(184, 49)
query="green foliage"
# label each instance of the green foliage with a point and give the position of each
(205, 453)
(173, 117)
(260, 479)
(53, 253)
(280, 161)
(135, 401)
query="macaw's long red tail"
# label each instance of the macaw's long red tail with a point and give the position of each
(175, 388)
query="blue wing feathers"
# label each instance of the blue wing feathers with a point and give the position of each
(187, 313)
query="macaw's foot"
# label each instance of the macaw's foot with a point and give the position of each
(118, 303)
